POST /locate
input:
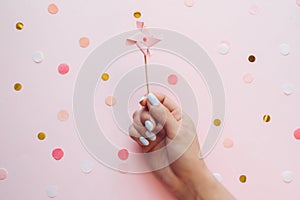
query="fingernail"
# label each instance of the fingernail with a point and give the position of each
(152, 99)
(149, 125)
(151, 136)
(142, 99)
(144, 141)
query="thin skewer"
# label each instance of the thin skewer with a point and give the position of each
(146, 73)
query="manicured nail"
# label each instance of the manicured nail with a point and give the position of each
(153, 100)
(151, 136)
(149, 125)
(142, 99)
(144, 141)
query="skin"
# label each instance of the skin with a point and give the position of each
(187, 177)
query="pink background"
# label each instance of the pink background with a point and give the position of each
(261, 151)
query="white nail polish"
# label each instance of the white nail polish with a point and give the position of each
(153, 100)
(142, 99)
(149, 125)
(151, 136)
(144, 141)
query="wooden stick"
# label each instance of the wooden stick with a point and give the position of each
(146, 73)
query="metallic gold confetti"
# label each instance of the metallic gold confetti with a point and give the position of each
(251, 58)
(41, 136)
(243, 178)
(18, 86)
(105, 76)
(19, 26)
(137, 14)
(217, 122)
(266, 118)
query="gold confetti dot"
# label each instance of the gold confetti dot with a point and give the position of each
(41, 136)
(217, 122)
(137, 14)
(243, 178)
(251, 58)
(266, 118)
(18, 86)
(105, 76)
(19, 26)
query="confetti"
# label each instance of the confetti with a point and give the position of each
(287, 176)
(298, 2)
(63, 68)
(228, 143)
(110, 100)
(267, 118)
(248, 78)
(105, 76)
(288, 89)
(86, 167)
(52, 191)
(189, 3)
(3, 174)
(57, 153)
(254, 9)
(123, 154)
(217, 122)
(243, 178)
(297, 134)
(19, 26)
(218, 177)
(172, 79)
(84, 42)
(137, 14)
(63, 115)
(18, 86)
(38, 56)
(251, 58)
(41, 135)
(53, 9)
(224, 48)
(284, 49)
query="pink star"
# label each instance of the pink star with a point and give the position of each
(143, 39)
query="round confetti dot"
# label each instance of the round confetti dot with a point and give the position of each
(228, 143)
(110, 100)
(18, 86)
(137, 14)
(38, 56)
(57, 153)
(87, 167)
(248, 78)
(63, 115)
(123, 154)
(287, 176)
(267, 118)
(217, 122)
(297, 134)
(105, 76)
(172, 79)
(41, 136)
(284, 49)
(288, 89)
(189, 3)
(254, 9)
(243, 178)
(218, 177)
(223, 48)
(52, 191)
(63, 68)
(84, 42)
(251, 58)
(3, 174)
(298, 2)
(53, 9)
(19, 26)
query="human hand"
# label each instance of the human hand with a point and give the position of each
(160, 125)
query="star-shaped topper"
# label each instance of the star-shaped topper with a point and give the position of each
(143, 39)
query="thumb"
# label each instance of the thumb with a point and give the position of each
(162, 115)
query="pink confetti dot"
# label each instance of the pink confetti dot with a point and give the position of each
(189, 3)
(248, 78)
(228, 143)
(297, 134)
(63, 115)
(254, 9)
(57, 153)
(110, 100)
(3, 174)
(123, 154)
(172, 79)
(298, 2)
(63, 68)
(53, 9)
(84, 42)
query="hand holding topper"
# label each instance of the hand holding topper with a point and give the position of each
(143, 40)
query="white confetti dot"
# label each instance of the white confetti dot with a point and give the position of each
(248, 78)
(52, 191)
(288, 89)
(218, 177)
(223, 48)
(38, 56)
(284, 49)
(86, 167)
(287, 176)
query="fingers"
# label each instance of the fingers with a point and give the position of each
(144, 124)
